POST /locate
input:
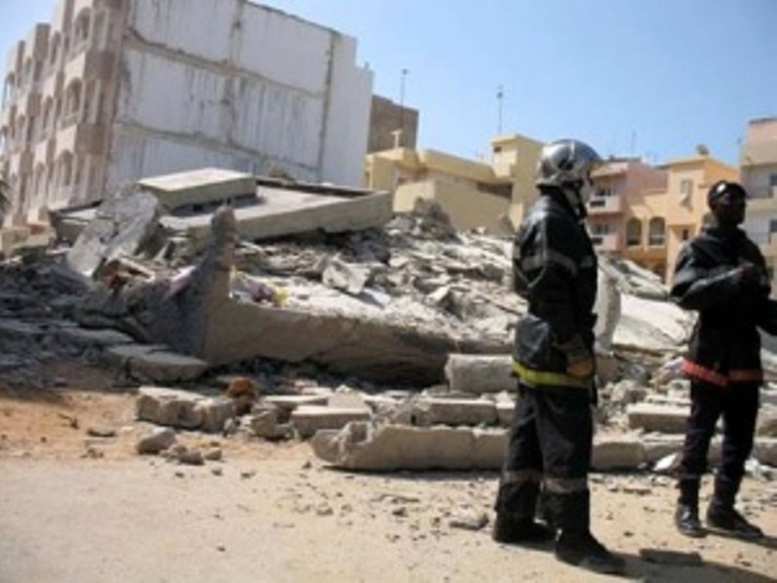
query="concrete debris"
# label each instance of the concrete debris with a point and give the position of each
(383, 339)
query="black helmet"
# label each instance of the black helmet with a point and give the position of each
(727, 192)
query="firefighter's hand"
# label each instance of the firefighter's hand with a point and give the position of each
(582, 368)
(580, 361)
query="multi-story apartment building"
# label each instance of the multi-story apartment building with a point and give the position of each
(645, 213)
(474, 194)
(758, 173)
(624, 222)
(111, 91)
(686, 209)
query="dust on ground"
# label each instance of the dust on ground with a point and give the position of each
(78, 504)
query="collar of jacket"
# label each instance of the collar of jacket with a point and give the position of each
(557, 195)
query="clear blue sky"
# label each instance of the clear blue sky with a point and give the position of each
(631, 77)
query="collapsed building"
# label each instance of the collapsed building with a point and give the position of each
(182, 278)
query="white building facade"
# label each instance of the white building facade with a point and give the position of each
(758, 173)
(116, 90)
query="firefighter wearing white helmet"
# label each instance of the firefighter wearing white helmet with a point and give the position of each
(550, 440)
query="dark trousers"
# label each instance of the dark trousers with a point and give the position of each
(738, 405)
(549, 447)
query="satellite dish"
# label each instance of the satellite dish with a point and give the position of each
(702, 150)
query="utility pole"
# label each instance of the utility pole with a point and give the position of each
(499, 96)
(402, 78)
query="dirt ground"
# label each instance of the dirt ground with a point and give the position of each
(77, 506)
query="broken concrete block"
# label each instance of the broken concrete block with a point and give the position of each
(264, 424)
(122, 226)
(201, 187)
(214, 413)
(505, 411)
(657, 418)
(363, 446)
(158, 439)
(154, 363)
(88, 338)
(475, 373)
(346, 277)
(347, 400)
(169, 407)
(454, 412)
(310, 418)
(617, 453)
(290, 402)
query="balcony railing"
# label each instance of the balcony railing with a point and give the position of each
(605, 204)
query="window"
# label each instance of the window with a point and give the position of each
(686, 190)
(686, 234)
(633, 233)
(656, 232)
(772, 184)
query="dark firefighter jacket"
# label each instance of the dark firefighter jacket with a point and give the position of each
(555, 270)
(725, 345)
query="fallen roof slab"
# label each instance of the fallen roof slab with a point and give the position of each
(285, 211)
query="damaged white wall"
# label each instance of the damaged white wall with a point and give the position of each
(228, 83)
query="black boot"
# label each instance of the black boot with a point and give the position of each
(729, 521)
(721, 514)
(581, 549)
(686, 519)
(512, 531)
(686, 516)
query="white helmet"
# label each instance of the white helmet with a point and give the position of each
(565, 163)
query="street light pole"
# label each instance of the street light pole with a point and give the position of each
(402, 105)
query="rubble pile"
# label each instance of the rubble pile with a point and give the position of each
(386, 345)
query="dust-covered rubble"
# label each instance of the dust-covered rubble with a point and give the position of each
(387, 347)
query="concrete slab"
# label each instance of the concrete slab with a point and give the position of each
(308, 419)
(285, 211)
(665, 419)
(153, 363)
(200, 187)
(445, 411)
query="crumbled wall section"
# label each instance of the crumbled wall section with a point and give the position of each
(227, 83)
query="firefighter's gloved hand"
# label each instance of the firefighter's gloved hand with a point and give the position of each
(583, 369)
(580, 361)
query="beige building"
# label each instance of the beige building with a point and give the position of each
(474, 194)
(111, 91)
(758, 174)
(645, 213)
(622, 216)
(686, 199)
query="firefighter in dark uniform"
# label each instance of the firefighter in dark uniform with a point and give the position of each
(721, 274)
(550, 440)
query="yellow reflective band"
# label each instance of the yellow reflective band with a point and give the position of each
(536, 378)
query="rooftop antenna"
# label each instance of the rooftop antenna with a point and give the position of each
(499, 97)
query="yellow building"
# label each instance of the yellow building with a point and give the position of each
(686, 208)
(474, 194)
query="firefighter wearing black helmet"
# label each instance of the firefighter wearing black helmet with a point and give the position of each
(721, 274)
(550, 440)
